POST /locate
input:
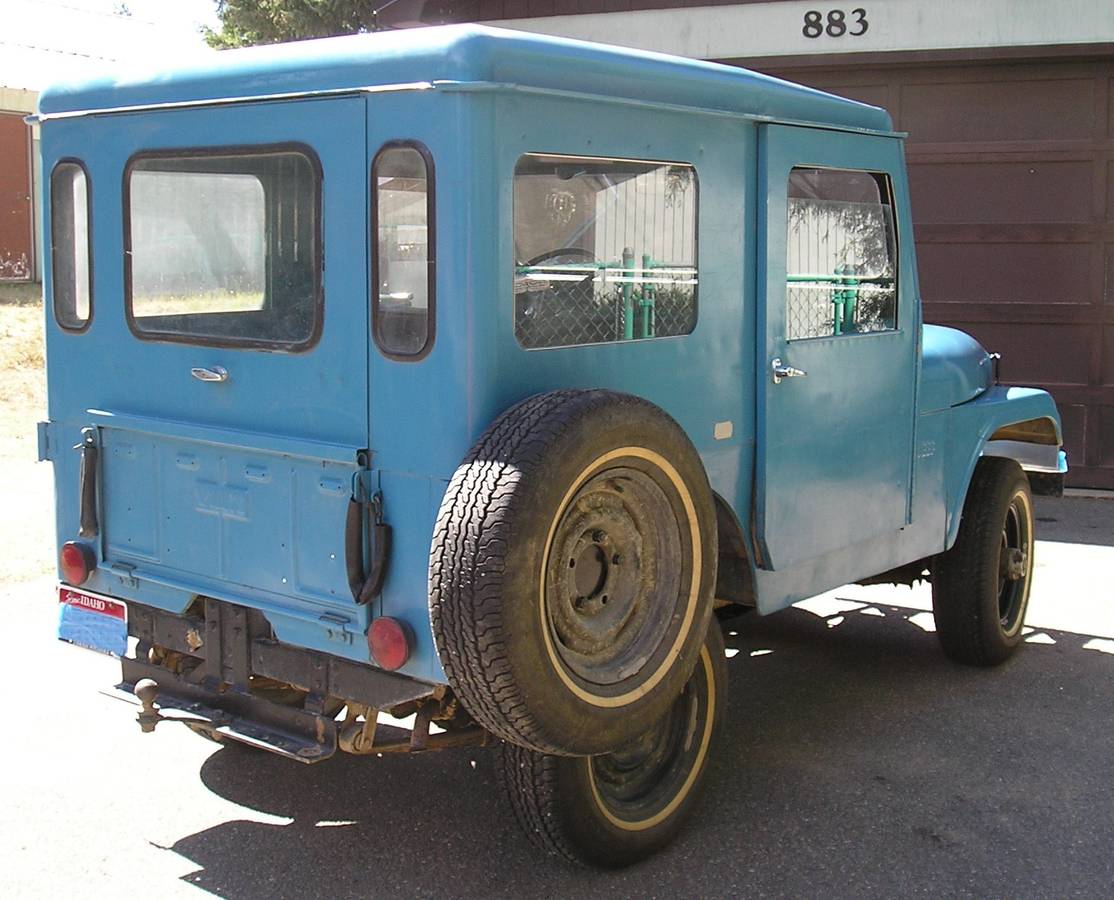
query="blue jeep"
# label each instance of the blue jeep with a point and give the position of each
(473, 376)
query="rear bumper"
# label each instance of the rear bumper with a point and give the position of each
(293, 733)
(218, 671)
(1046, 484)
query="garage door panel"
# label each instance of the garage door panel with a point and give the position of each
(1108, 276)
(999, 111)
(1005, 272)
(1073, 420)
(1110, 191)
(1106, 436)
(1108, 355)
(1037, 353)
(874, 94)
(1110, 110)
(1001, 192)
(962, 315)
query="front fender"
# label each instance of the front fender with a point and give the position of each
(971, 428)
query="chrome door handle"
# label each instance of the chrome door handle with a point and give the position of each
(216, 373)
(781, 370)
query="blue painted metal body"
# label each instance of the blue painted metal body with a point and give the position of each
(238, 490)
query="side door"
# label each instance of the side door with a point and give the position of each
(837, 339)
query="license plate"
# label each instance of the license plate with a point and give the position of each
(90, 620)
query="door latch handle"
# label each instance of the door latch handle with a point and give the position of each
(216, 373)
(87, 484)
(780, 370)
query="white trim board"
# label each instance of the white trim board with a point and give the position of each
(777, 29)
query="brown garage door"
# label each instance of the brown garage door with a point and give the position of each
(15, 199)
(1011, 168)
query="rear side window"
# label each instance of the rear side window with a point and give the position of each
(403, 257)
(840, 254)
(69, 246)
(224, 248)
(605, 250)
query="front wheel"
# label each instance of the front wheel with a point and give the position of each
(615, 809)
(980, 588)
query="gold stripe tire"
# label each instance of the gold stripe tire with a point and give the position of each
(980, 587)
(615, 810)
(572, 570)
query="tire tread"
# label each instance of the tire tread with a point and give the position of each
(468, 557)
(961, 622)
(531, 786)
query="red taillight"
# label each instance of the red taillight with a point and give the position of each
(389, 643)
(77, 561)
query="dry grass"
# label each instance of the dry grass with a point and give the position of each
(21, 349)
(212, 302)
(26, 529)
(22, 376)
(20, 292)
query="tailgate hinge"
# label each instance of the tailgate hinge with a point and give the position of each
(43, 429)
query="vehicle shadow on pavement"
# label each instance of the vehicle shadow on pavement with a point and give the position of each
(855, 759)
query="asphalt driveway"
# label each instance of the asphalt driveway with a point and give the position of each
(856, 761)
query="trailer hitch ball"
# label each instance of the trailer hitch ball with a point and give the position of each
(147, 691)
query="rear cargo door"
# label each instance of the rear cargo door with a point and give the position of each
(227, 380)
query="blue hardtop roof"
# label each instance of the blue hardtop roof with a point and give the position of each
(459, 53)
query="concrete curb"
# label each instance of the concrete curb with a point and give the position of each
(1088, 494)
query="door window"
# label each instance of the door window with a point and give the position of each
(840, 254)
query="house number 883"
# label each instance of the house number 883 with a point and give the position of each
(835, 24)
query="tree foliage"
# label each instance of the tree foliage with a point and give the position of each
(248, 22)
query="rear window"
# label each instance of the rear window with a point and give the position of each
(403, 258)
(605, 250)
(69, 246)
(224, 248)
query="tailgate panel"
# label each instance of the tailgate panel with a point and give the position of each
(268, 520)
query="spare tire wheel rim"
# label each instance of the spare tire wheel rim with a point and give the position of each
(610, 584)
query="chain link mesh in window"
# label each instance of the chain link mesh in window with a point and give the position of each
(562, 313)
(811, 310)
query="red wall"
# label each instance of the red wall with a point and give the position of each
(15, 199)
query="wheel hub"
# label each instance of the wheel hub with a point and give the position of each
(610, 587)
(1015, 564)
(592, 572)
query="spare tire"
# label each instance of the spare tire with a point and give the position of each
(572, 571)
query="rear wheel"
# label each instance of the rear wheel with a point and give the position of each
(572, 570)
(615, 809)
(980, 588)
